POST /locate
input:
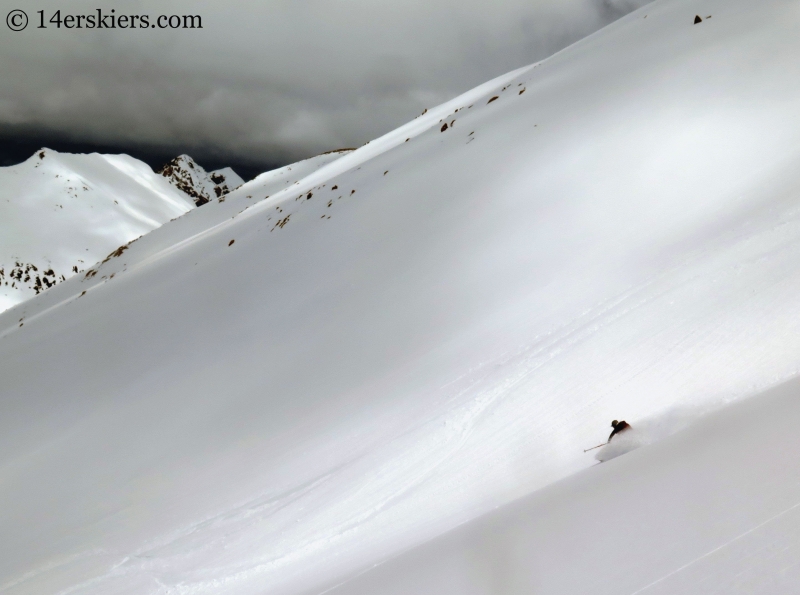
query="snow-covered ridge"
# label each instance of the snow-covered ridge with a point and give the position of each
(281, 389)
(186, 175)
(177, 233)
(61, 213)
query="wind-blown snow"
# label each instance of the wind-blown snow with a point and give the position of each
(715, 509)
(651, 429)
(281, 389)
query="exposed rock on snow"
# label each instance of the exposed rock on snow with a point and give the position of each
(380, 358)
(61, 213)
(185, 174)
(193, 223)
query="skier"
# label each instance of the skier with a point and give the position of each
(618, 426)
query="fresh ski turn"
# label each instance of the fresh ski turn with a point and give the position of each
(347, 372)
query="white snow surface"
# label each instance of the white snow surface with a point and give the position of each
(154, 245)
(281, 389)
(714, 509)
(59, 211)
(276, 180)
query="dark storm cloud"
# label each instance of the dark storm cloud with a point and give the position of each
(272, 81)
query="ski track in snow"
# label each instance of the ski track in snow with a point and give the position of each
(717, 549)
(582, 325)
(465, 409)
(720, 517)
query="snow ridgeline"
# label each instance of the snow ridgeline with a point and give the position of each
(61, 213)
(145, 248)
(276, 392)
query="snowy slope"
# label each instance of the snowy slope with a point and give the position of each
(187, 175)
(715, 509)
(278, 393)
(276, 180)
(60, 213)
(142, 250)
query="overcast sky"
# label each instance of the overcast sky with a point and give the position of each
(267, 82)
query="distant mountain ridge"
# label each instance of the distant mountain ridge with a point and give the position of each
(184, 173)
(60, 213)
(343, 360)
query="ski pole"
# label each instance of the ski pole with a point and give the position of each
(598, 446)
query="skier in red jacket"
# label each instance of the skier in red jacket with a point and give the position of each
(618, 426)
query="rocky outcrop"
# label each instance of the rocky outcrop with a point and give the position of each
(186, 175)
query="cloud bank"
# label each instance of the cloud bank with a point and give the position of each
(273, 81)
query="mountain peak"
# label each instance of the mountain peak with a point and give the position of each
(62, 212)
(187, 175)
